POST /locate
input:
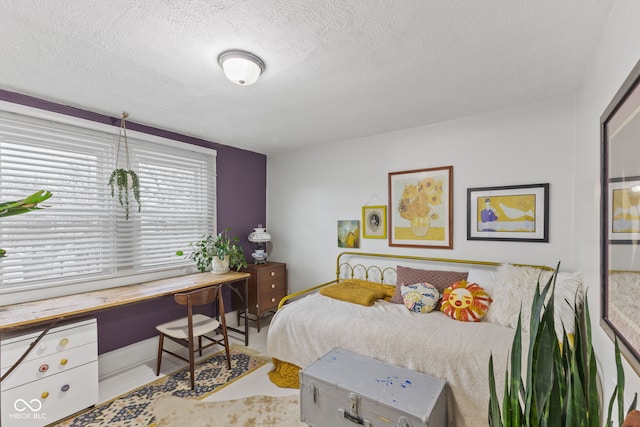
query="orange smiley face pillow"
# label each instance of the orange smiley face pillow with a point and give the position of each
(465, 301)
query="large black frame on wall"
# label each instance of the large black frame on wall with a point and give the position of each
(518, 213)
(620, 218)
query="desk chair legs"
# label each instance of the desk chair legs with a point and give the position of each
(223, 321)
(185, 331)
(160, 346)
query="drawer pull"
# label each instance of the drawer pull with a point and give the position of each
(65, 387)
(273, 274)
(43, 368)
(64, 362)
(44, 394)
(64, 342)
(273, 300)
(273, 286)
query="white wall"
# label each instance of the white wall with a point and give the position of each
(310, 189)
(615, 56)
(558, 142)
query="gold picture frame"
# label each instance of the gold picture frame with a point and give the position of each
(374, 220)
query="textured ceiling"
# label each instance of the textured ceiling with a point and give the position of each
(335, 69)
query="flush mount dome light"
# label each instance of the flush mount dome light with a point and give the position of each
(242, 68)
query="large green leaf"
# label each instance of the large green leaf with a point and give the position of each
(620, 379)
(543, 367)
(495, 419)
(515, 378)
(533, 410)
(28, 204)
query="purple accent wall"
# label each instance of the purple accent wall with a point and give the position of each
(241, 191)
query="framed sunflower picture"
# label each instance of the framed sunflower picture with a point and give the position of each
(516, 213)
(374, 220)
(421, 208)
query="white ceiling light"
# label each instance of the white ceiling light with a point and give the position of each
(242, 68)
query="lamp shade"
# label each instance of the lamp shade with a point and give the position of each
(259, 235)
(242, 68)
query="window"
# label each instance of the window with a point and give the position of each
(82, 236)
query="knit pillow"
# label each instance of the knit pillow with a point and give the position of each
(465, 301)
(352, 292)
(513, 290)
(420, 298)
(410, 276)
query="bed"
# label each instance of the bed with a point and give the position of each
(310, 324)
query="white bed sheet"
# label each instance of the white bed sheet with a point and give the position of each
(455, 351)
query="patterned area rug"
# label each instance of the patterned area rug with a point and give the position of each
(254, 411)
(135, 408)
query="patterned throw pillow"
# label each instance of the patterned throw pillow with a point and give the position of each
(420, 298)
(439, 279)
(465, 301)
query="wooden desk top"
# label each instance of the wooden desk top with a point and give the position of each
(34, 312)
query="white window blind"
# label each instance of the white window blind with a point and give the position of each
(82, 234)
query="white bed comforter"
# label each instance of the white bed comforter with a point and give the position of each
(455, 351)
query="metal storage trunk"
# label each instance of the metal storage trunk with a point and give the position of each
(343, 388)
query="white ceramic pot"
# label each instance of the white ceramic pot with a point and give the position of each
(220, 266)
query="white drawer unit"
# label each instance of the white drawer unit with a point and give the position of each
(58, 378)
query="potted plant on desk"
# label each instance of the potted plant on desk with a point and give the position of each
(227, 253)
(221, 252)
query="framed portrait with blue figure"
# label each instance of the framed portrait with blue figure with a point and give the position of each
(515, 213)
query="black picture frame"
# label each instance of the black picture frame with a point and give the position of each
(619, 265)
(517, 213)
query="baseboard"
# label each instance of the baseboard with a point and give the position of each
(124, 358)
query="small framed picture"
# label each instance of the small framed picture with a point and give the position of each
(349, 234)
(374, 220)
(624, 210)
(516, 213)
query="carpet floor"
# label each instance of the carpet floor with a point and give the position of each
(134, 408)
(254, 411)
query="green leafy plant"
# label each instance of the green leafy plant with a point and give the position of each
(125, 180)
(560, 386)
(201, 252)
(17, 207)
(220, 245)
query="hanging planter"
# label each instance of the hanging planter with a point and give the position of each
(124, 180)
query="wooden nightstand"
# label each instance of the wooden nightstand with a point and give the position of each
(267, 286)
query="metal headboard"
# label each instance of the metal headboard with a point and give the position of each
(382, 273)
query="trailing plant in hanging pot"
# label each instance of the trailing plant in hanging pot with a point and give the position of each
(125, 180)
(121, 179)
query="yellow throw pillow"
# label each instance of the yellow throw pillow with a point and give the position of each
(465, 301)
(357, 293)
(389, 290)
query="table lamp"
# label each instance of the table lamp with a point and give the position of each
(260, 237)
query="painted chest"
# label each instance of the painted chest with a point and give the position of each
(343, 388)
